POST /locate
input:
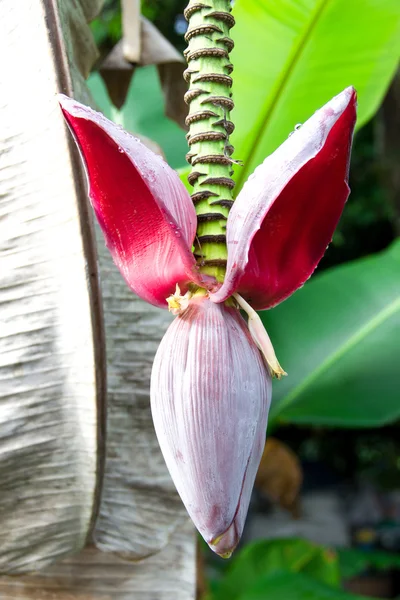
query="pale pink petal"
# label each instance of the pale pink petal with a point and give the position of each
(210, 395)
(285, 215)
(261, 338)
(144, 210)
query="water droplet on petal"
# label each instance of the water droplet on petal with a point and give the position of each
(121, 150)
(296, 128)
(150, 174)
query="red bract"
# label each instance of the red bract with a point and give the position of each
(210, 386)
(277, 230)
(285, 215)
(145, 212)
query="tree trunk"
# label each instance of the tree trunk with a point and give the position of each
(67, 320)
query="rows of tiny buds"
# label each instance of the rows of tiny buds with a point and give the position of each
(226, 103)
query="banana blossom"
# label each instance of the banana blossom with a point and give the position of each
(211, 378)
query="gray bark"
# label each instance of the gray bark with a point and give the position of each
(52, 352)
(50, 335)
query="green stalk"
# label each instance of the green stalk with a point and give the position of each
(210, 101)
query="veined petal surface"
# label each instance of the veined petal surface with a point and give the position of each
(144, 210)
(210, 396)
(285, 215)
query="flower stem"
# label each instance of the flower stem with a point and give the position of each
(210, 101)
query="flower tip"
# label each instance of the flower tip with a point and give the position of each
(62, 97)
(225, 544)
(226, 555)
(65, 102)
(343, 100)
(73, 110)
(351, 93)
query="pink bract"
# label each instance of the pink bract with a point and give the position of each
(277, 230)
(210, 395)
(285, 215)
(145, 213)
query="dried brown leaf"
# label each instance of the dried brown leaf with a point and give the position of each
(117, 71)
(117, 75)
(70, 31)
(280, 475)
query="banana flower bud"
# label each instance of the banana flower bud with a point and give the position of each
(210, 395)
(211, 389)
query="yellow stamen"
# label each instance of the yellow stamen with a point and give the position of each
(261, 338)
(178, 303)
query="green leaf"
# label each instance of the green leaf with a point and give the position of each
(354, 562)
(294, 586)
(338, 339)
(324, 567)
(268, 557)
(183, 173)
(291, 57)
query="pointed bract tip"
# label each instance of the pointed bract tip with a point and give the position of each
(63, 99)
(224, 545)
(72, 107)
(350, 91)
(341, 101)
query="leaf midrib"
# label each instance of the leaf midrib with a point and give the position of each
(293, 59)
(361, 333)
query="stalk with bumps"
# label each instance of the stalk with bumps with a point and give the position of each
(210, 101)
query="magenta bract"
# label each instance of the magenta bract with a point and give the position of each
(146, 214)
(284, 217)
(278, 228)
